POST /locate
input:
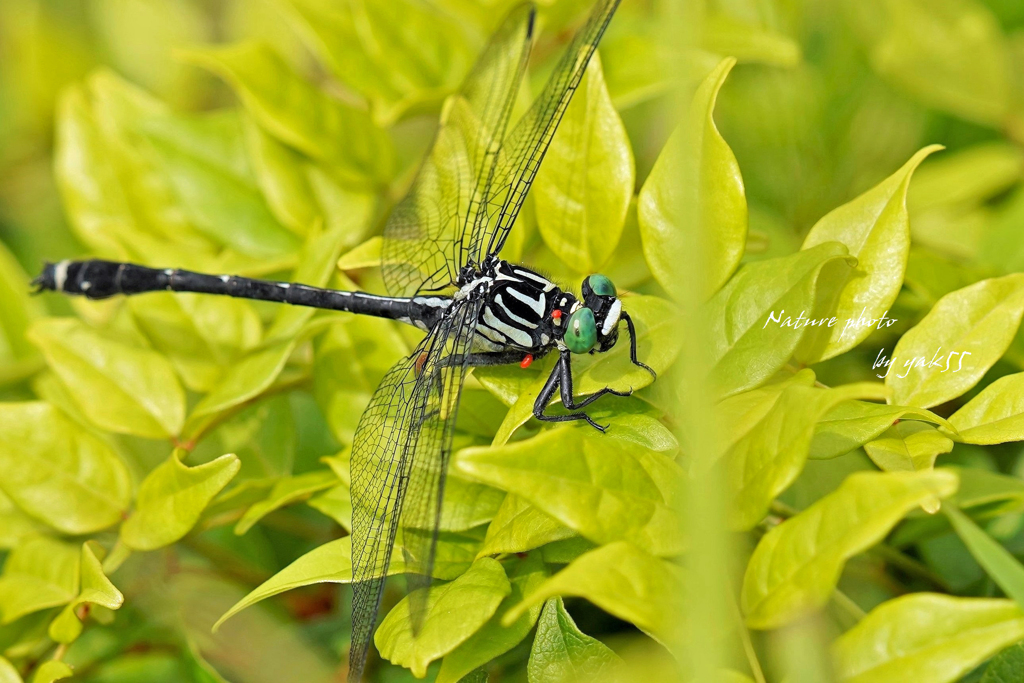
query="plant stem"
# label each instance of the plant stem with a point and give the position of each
(748, 644)
(847, 603)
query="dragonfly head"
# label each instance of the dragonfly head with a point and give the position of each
(594, 326)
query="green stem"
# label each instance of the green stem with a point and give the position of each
(909, 565)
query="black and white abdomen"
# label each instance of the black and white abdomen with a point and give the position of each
(515, 313)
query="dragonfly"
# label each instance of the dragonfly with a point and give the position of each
(443, 271)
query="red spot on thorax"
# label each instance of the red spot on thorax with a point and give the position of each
(527, 359)
(556, 314)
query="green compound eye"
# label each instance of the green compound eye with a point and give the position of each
(601, 285)
(581, 331)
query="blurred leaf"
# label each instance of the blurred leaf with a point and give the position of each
(38, 574)
(298, 113)
(658, 344)
(493, 638)
(971, 175)
(697, 174)
(951, 54)
(746, 42)
(995, 415)
(908, 446)
(172, 498)
(852, 424)
(1006, 667)
(518, 527)
(204, 158)
(1000, 565)
(199, 334)
(59, 473)
(980, 320)
(584, 187)
(1002, 245)
(366, 255)
(94, 589)
(796, 565)
(336, 503)
(14, 523)
(621, 580)
(875, 228)
(285, 492)
(750, 340)
(397, 54)
(926, 637)
(561, 652)
(453, 613)
(281, 176)
(607, 487)
(765, 461)
(932, 275)
(18, 311)
(8, 674)
(95, 205)
(740, 413)
(51, 671)
(120, 388)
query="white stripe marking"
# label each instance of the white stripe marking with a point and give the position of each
(60, 275)
(521, 321)
(612, 318)
(516, 335)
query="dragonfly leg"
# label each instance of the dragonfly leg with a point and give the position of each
(561, 380)
(632, 346)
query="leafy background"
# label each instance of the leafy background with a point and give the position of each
(171, 462)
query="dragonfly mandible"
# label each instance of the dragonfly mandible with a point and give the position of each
(444, 274)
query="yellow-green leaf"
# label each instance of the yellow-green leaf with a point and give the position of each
(950, 54)
(201, 335)
(853, 423)
(875, 227)
(397, 54)
(59, 473)
(8, 674)
(584, 186)
(963, 335)
(453, 613)
(493, 638)
(926, 638)
(695, 187)
(518, 527)
(622, 580)
(51, 671)
(281, 175)
(299, 114)
(205, 160)
(285, 492)
(796, 565)
(94, 589)
(753, 319)
(908, 446)
(121, 388)
(995, 415)
(561, 652)
(763, 463)
(608, 487)
(172, 498)
(40, 573)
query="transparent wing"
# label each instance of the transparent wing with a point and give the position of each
(400, 455)
(526, 145)
(424, 245)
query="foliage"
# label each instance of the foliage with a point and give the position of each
(174, 484)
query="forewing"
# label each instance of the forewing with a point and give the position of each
(400, 454)
(524, 148)
(424, 245)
